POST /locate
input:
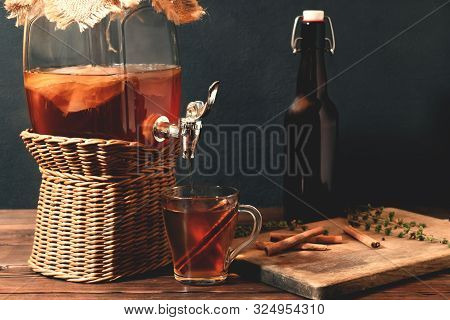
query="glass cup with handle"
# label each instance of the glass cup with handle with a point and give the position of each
(200, 223)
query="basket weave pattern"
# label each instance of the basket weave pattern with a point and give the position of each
(99, 215)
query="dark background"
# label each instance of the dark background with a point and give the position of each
(394, 105)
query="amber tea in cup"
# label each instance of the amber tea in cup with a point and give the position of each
(200, 224)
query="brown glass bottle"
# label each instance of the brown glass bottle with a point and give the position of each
(311, 124)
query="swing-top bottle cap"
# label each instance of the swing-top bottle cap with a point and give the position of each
(313, 16)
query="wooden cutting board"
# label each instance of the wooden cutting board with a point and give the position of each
(351, 266)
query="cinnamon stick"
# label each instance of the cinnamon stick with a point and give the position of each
(283, 245)
(313, 246)
(330, 239)
(361, 237)
(215, 231)
(301, 246)
(219, 205)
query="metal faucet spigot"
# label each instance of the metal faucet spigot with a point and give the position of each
(190, 126)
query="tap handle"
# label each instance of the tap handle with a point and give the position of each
(212, 94)
(198, 109)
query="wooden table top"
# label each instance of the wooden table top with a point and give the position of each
(17, 281)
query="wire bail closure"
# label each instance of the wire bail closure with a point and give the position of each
(295, 41)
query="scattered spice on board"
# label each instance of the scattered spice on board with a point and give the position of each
(380, 221)
(245, 230)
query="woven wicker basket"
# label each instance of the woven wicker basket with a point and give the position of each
(99, 216)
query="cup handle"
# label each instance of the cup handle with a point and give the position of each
(257, 223)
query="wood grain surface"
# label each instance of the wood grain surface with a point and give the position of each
(351, 266)
(17, 281)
